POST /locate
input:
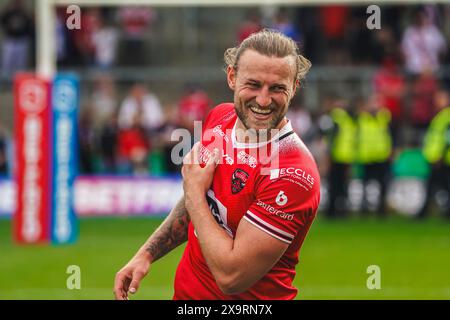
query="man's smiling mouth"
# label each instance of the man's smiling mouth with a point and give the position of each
(260, 111)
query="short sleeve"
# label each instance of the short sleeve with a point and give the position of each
(284, 205)
(217, 114)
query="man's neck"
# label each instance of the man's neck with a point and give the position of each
(244, 135)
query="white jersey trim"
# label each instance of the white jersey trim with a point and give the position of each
(268, 228)
(267, 231)
(286, 128)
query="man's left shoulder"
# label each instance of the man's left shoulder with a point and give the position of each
(290, 189)
(295, 156)
(294, 169)
(221, 114)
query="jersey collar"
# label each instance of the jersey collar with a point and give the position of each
(241, 145)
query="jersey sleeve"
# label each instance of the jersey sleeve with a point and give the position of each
(284, 205)
(213, 122)
(217, 113)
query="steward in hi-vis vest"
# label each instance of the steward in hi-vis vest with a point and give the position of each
(436, 150)
(340, 130)
(436, 144)
(374, 149)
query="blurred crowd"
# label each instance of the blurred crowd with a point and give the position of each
(356, 136)
(361, 139)
(328, 35)
(133, 136)
(17, 25)
(104, 32)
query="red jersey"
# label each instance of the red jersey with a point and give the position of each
(281, 200)
(194, 106)
(388, 85)
(130, 141)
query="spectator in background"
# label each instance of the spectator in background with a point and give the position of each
(374, 149)
(193, 106)
(422, 110)
(422, 45)
(252, 24)
(446, 34)
(134, 146)
(389, 85)
(108, 144)
(17, 26)
(333, 21)
(83, 37)
(436, 151)
(301, 120)
(103, 100)
(360, 38)
(166, 143)
(283, 24)
(68, 52)
(104, 40)
(140, 118)
(143, 103)
(62, 39)
(86, 141)
(135, 22)
(339, 128)
(385, 45)
(308, 21)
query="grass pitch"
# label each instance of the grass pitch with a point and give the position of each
(414, 258)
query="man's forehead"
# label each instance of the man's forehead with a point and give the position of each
(253, 64)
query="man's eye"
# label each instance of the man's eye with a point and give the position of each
(278, 88)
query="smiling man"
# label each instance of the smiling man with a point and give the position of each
(246, 217)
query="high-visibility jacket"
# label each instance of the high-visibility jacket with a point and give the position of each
(343, 142)
(374, 137)
(437, 139)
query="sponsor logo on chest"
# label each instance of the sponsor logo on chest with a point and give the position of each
(295, 175)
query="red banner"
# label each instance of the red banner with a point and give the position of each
(32, 134)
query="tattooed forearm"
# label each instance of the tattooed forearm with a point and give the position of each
(170, 234)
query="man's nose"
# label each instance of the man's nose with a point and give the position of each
(263, 98)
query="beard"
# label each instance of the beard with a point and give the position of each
(260, 126)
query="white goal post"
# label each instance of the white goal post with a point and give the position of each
(45, 13)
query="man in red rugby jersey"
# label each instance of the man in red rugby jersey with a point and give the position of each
(251, 187)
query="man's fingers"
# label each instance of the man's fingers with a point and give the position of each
(121, 284)
(214, 159)
(195, 152)
(137, 277)
(192, 156)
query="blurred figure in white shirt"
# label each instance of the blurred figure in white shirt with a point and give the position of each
(103, 99)
(105, 39)
(422, 45)
(141, 101)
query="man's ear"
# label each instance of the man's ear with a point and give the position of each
(231, 77)
(296, 86)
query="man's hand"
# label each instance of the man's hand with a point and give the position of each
(197, 180)
(129, 277)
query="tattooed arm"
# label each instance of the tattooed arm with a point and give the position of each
(169, 235)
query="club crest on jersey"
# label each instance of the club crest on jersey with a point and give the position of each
(238, 180)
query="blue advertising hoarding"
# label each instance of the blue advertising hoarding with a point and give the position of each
(65, 101)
